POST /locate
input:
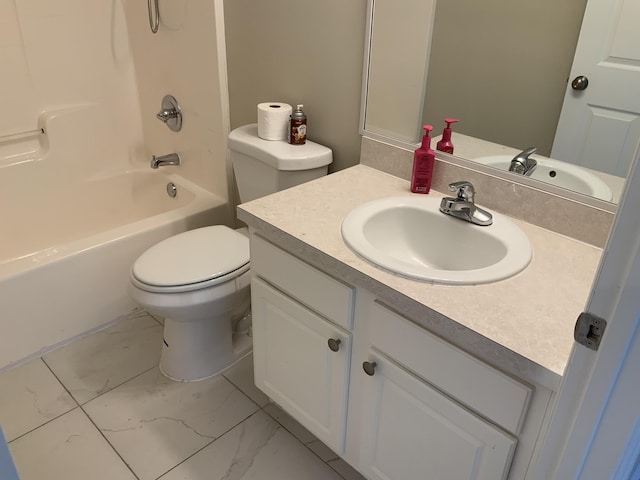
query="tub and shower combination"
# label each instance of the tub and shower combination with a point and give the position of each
(69, 233)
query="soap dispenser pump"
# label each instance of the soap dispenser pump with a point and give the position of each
(423, 160)
(445, 145)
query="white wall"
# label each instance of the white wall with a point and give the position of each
(64, 53)
(182, 60)
(70, 52)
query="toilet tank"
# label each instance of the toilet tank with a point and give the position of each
(262, 167)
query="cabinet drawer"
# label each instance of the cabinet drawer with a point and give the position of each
(320, 292)
(496, 396)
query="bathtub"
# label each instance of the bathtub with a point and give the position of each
(66, 247)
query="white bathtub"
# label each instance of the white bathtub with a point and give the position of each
(66, 247)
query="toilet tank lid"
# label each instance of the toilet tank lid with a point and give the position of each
(278, 154)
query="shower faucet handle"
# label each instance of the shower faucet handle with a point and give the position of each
(170, 113)
(165, 115)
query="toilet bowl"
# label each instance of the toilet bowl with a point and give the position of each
(198, 281)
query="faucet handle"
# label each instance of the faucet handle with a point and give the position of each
(526, 153)
(170, 113)
(522, 164)
(464, 189)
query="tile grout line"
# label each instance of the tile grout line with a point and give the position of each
(43, 424)
(57, 416)
(260, 409)
(109, 443)
(101, 393)
(102, 434)
(242, 392)
(306, 445)
(80, 406)
(212, 441)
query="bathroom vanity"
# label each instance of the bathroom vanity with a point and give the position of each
(401, 377)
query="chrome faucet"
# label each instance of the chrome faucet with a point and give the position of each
(463, 205)
(169, 159)
(522, 164)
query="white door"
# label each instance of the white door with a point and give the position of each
(295, 365)
(595, 431)
(599, 126)
(411, 431)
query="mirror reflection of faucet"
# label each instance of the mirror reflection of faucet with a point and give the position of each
(463, 205)
(522, 164)
(162, 160)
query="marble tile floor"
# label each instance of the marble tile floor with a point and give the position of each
(99, 408)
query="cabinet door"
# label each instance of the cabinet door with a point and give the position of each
(295, 366)
(411, 431)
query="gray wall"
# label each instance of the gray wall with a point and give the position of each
(300, 51)
(501, 67)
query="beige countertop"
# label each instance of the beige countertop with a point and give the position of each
(522, 325)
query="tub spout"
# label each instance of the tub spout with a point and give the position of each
(169, 159)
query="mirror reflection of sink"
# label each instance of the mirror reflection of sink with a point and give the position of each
(561, 174)
(409, 236)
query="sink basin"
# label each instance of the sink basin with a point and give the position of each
(555, 172)
(410, 237)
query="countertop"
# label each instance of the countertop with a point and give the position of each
(522, 325)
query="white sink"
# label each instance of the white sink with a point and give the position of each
(409, 236)
(555, 172)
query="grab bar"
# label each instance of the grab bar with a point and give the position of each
(154, 20)
(19, 136)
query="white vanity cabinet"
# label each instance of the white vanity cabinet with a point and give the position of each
(302, 345)
(428, 408)
(394, 400)
(410, 430)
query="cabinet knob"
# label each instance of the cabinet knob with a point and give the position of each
(334, 344)
(369, 368)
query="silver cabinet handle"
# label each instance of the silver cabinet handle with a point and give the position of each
(334, 344)
(369, 368)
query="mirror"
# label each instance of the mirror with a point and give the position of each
(500, 66)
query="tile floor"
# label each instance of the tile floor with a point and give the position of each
(99, 408)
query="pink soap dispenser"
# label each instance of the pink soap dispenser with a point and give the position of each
(445, 145)
(423, 160)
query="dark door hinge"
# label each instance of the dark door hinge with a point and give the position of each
(589, 330)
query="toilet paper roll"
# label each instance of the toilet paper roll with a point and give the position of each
(273, 120)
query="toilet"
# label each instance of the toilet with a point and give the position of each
(199, 280)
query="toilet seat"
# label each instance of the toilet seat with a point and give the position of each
(192, 260)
